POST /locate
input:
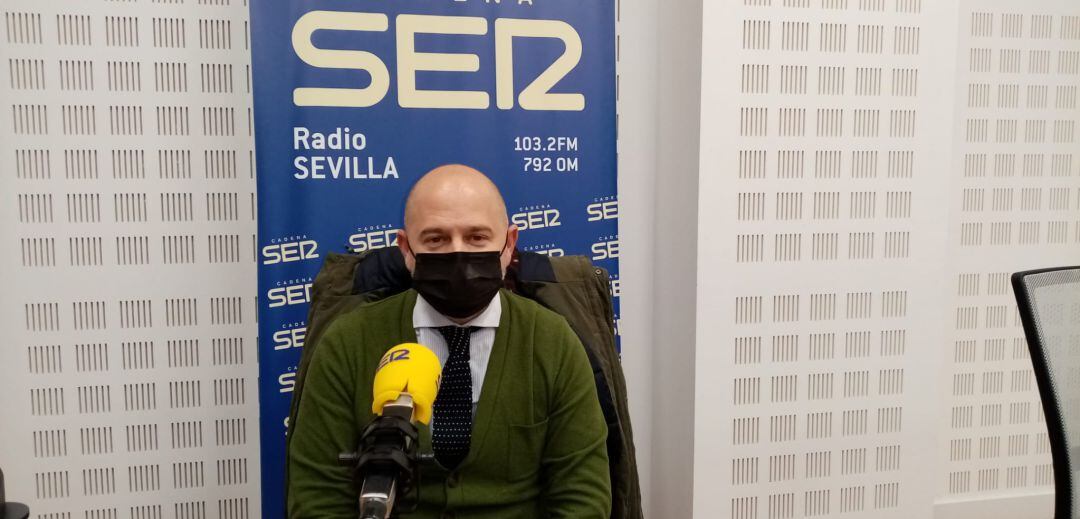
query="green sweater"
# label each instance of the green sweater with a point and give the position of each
(538, 443)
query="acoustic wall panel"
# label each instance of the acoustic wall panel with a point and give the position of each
(818, 223)
(129, 273)
(1014, 205)
(871, 171)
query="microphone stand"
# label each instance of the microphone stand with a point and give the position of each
(386, 463)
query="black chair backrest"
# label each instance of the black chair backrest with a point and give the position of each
(11, 510)
(1049, 304)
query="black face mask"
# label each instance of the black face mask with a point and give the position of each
(458, 284)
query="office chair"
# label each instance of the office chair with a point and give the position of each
(1049, 305)
(11, 510)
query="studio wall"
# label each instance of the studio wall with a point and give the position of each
(129, 368)
(870, 173)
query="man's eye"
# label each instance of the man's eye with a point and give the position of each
(433, 239)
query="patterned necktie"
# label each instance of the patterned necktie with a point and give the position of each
(452, 430)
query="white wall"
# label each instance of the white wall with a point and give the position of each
(675, 249)
(857, 348)
(1014, 204)
(658, 136)
(637, 59)
(129, 363)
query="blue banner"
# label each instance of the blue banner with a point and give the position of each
(356, 99)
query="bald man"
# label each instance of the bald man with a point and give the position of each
(517, 429)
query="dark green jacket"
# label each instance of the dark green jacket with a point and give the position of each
(538, 446)
(571, 286)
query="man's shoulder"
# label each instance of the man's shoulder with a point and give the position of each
(362, 327)
(385, 311)
(521, 306)
(532, 314)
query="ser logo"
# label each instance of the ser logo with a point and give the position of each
(553, 252)
(286, 381)
(606, 248)
(608, 210)
(393, 356)
(289, 338)
(289, 250)
(536, 95)
(616, 287)
(548, 249)
(292, 293)
(373, 237)
(536, 217)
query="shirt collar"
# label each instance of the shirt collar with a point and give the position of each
(426, 316)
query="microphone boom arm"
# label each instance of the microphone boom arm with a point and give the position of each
(386, 463)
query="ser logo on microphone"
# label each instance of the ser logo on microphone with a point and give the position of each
(392, 356)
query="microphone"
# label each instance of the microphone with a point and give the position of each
(410, 369)
(386, 463)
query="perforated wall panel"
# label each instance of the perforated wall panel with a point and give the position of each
(129, 363)
(1015, 204)
(858, 350)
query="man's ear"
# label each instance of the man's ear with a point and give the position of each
(508, 250)
(406, 250)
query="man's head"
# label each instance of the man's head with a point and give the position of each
(455, 208)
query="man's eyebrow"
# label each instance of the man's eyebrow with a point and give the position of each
(480, 228)
(439, 230)
(432, 230)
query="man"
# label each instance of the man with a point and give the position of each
(517, 429)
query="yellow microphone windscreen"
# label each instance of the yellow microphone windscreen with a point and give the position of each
(408, 368)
